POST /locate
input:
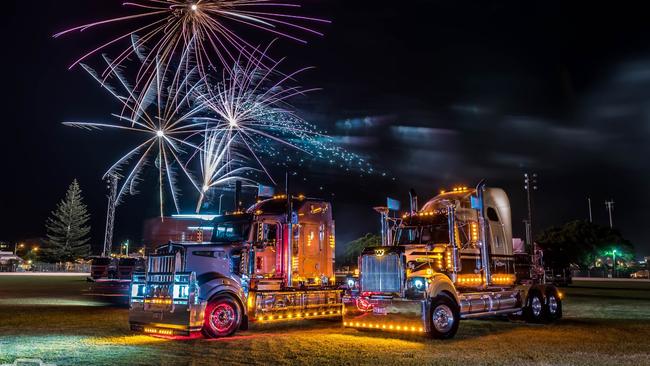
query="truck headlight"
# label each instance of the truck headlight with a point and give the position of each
(137, 290)
(181, 291)
(418, 283)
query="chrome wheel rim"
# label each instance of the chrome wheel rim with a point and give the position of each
(443, 318)
(536, 306)
(222, 318)
(552, 304)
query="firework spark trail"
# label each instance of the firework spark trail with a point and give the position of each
(178, 32)
(218, 167)
(165, 119)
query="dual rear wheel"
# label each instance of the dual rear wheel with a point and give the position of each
(543, 309)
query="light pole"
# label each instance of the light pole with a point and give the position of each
(610, 207)
(614, 255)
(530, 184)
(126, 247)
(16, 246)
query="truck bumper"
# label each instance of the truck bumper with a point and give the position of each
(177, 320)
(398, 315)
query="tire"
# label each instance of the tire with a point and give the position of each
(444, 317)
(223, 317)
(534, 310)
(553, 306)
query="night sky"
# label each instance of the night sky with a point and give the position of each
(433, 93)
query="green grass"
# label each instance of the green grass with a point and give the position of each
(47, 318)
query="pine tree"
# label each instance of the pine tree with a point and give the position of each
(67, 229)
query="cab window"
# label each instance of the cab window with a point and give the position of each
(229, 232)
(267, 234)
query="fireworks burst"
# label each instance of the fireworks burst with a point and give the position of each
(175, 32)
(232, 126)
(251, 111)
(218, 165)
(164, 119)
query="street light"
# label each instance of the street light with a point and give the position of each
(126, 247)
(16, 246)
(614, 255)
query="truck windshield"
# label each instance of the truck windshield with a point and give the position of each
(230, 231)
(425, 234)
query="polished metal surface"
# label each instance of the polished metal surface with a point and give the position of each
(536, 305)
(552, 304)
(481, 302)
(222, 317)
(381, 273)
(442, 318)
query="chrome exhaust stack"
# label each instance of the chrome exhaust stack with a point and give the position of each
(454, 265)
(482, 222)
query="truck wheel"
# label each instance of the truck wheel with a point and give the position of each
(553, 306)
(534, 310)
(222, 317)
(444, 317)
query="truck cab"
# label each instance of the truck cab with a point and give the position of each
(450, 260)
(273, 262)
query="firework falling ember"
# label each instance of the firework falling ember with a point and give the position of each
(163, 116)
(201, 32)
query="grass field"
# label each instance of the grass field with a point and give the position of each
(47, 318)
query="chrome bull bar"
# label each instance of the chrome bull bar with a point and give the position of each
(387, 314)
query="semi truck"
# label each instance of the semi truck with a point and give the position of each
(272, 262)
(450, 260)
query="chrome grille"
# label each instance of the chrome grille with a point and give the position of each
(381, 273)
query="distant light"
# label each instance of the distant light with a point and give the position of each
(194, 7)
(160, 133)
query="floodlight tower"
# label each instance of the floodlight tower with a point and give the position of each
(110, 213)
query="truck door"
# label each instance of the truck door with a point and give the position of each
(268, 235)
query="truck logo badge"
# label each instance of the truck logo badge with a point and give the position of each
(380, 252)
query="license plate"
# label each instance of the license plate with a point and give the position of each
(379, 311)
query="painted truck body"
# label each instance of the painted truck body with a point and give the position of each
(453, 259)
(270, 263)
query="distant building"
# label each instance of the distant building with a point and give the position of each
(7, 256)
(177, 228)
(9, 261)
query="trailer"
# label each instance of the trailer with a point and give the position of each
(450, 260)
(272, 263)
